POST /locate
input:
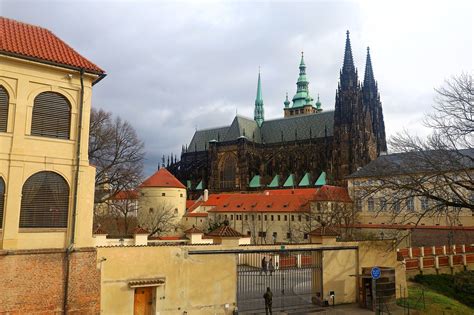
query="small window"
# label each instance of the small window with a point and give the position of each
(231, 217)
(259, 218)
(266, 218)
(299, 218)
(271, 217)
(278, 217)
(3, 113)
(262, 234)
(175, 210)
(181, 195)
(292, 218)
(253, 217)
(51, 116)
(246, 218)
(163, 194)
(150, 210)
(305, 236)
(410, 204)
(383, 204)
(286, 217)
(370, 204)
(288, 235)
(249, 233)
(424, 203)
(307, 218)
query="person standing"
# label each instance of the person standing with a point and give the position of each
(271, 267)
(264, 265)
(268, 296)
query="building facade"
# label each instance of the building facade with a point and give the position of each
(305, 143)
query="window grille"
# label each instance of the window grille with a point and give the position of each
(383, 204)
(3, 109)
(371, 204)
(51, 116)
(410, 204)
(45, 201)
(2, 200)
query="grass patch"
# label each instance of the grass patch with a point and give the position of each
(434, 302)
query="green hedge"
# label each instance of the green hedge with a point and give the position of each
(459, 286)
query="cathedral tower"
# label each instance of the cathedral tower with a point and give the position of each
(371, 98)
(259, 114)
(354, 142)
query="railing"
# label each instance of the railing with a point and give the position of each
(421, 258)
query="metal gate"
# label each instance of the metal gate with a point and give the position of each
(294, 277)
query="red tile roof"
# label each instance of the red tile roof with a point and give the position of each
(324, 231)
(225, 231)
(162, 178)
(190, 203)
(332, 193)
(193, 230)
(299, 191)
(170, 238)
(100, 231)
(37, 43)
(140, 230)
(126, 195)
(262, 203)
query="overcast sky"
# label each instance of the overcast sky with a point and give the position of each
(175, 66)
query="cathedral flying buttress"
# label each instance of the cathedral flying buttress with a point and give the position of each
(309, 146)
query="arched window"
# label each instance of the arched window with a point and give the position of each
(51, 116)
(2, 200)
(228, 172)
(3, 109)
(44, 201)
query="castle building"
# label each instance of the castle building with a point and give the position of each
(294, 151)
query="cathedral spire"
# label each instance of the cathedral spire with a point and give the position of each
(369, 80)
(349, 72)
(258, 114)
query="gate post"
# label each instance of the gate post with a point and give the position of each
(298, 260)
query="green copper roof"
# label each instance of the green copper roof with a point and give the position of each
(287, 101)
(199, 186)
(302, 97)
(321, 179)
(290, 181)
(275, 182)
(259, 115)
(305, 181)
(318, 103)
(188, 184)
(255, 182)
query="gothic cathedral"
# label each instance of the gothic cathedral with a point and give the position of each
(309, 146)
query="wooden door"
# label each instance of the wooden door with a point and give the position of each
(143, 301)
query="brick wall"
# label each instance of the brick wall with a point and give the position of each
(33, 282)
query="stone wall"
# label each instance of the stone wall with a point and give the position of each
(33, 282)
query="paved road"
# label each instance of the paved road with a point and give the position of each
(289, 287)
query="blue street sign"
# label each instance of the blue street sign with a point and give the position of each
(375, 272)
(282, 247)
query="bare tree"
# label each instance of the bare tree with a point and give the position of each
(116, 152)
(435, 172)
(160, 219)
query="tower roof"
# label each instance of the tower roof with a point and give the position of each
(369, 80)
(258, 113)
(39, 44)
(162, 178)
(348, 66)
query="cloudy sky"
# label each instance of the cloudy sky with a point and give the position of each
(176, 66)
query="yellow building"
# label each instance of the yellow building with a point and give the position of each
(45, 102)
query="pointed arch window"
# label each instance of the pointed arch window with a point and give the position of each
(2, 200)
(3, 109)
(228, 172)
(51, 116)
(45, 201)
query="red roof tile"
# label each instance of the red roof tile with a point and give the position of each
(170, 238)
(193, 230)
(34, 42)
(126, 195)
(162, 178)
(332, 193)
(324, 231)
(190, 203)
(263, 203)
(100, 231)
(299, 191)
(225, 231)
(140, 230)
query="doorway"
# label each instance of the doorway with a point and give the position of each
(143, 302)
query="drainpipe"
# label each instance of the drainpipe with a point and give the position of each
(70, 247)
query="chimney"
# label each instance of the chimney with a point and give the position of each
(206, 195)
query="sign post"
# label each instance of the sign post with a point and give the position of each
(375, 273)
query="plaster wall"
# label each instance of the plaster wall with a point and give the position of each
(197, 284)
(22, 155)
